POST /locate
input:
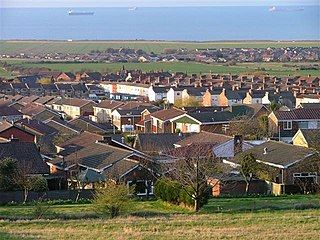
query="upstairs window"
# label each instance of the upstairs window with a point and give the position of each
(287, 125)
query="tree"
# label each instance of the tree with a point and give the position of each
(248, 169)
(26, 182)
(7, 168)
(112, 199)
(191, 166)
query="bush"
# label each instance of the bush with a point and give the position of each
(171, 191)
(39, 184)
(112, 199)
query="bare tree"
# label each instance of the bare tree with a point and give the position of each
(192, 166)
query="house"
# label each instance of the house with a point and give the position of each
(91, 76)
(309, 138)
(9, 114)
(44, 133)
(50, 90)
(282, 98)
(193, 95)
(65, 90)
(254, 97)
(27, 156)
(37, 111)
(66, 76)
(217, 122)
(102, 111)
(20, 89)
(211, 97)
(125, 119)
(157, 93)
(35, 89)
(250, 110)
(284, 162)
(87, 125)
(174, 94)
(285, 124)
(78, 107)
(10, 131)
(310, 98)
(80, 90)
(229, 97)
(161, 120)
(151, 143)
(108, 161)
(79, 141)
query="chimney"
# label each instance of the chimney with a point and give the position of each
(107, 139)
(237, 141)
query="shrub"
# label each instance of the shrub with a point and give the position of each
(39, 184)
(112, 199)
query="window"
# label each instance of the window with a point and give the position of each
(287, 125)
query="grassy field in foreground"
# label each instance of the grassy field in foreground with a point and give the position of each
(190, 67)
(289, 224)
(221, 218)
(148, 46)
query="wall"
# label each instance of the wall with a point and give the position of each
(17, 196)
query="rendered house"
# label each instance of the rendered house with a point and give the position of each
(229, 97)
(254, 97)
(285, 124)
(174, 94)
(217, 122)
(78, 107)
(311, 98)
(309, 138)
(102, 111)
(211, 97)
(157, 93)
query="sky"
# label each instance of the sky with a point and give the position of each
(152, 3)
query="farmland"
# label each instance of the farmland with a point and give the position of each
(189, 67)
(7, 47)
(222, 218)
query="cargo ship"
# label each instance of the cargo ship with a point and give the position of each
(71, 12)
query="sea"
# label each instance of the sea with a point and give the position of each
(162, 23)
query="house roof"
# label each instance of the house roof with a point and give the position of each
(49, 87)
(87, 124)
(95, 156)
(279, 154)
(76, 102)
(312, 136)
(246, 109)
(192, 150)
(150, 142)
(32, 109)
(37, 126)
(4, 125)
(120, 168)
(298, 114)
(64, 86)
(26, 154)
(79, 87)
(212, 117)
(9, 111)
(27, 100)
(44, 100)
(109, 104)
(310, 105)
(161, 89)
(167, 114)
(204, 137)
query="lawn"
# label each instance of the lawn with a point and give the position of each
(148, 46)
(189, 67)
(221, 218)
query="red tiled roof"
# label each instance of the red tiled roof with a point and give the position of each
(298, 114)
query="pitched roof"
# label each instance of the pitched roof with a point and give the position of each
(44, 100)
(279, 154)
(312, 136)
(88, 125)
(9, 111)
(192, 150)
(310, 105)
(298, 114)
(150, 142)
(167, 114)
(4, 125)
(26, 154)
(37, 126)
(204, 137)
(95, 156)
(211, 117)
(76, 102)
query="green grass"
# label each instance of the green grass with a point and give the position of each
(189, 67)
(149, 46)
(165, 221)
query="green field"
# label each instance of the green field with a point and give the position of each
(148, 46)
(189, 67)
(221, 218)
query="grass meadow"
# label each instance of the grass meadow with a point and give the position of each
(221, 218)
(148, 46)
(189, 67)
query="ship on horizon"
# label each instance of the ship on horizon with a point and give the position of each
(72, 12)
(277, 9)
(132, 9)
